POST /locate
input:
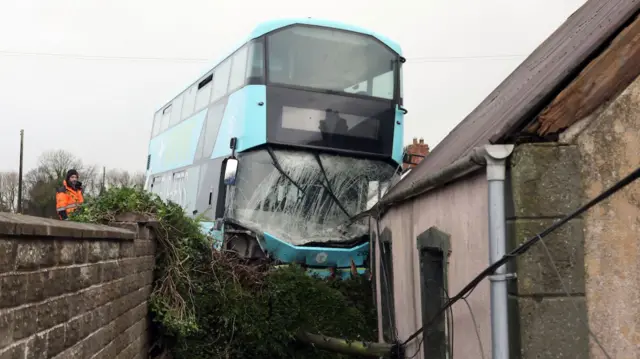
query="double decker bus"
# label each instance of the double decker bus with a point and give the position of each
(284, 140)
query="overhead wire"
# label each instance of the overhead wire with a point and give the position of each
(80, 56)
(525, 246)
(423, 59)
(103, 57)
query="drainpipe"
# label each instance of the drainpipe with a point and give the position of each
(495, 157)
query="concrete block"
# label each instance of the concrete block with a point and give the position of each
(13, 352)
(536, 275)
(552, 328)
(57, 282)
(73, 331)
(34, 254)
(13, 288)
(36, 286)
(55, 340)
(25, 324)
(544, 180)
(7, 255)
(6, 328)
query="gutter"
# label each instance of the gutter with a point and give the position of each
(471, 162)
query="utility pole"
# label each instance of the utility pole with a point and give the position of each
(20, 172)
(104, 179)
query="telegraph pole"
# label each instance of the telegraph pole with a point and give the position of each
(20, 172)
(104, 179)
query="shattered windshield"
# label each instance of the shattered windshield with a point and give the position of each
(302, 197)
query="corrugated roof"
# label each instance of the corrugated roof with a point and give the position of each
(532, 85)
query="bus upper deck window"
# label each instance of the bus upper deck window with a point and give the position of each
(255, 62)
(332, 60)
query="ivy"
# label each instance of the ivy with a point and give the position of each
(210, 304)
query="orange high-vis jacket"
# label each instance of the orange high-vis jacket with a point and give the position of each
(67, 200)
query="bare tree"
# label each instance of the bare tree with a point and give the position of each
(89, 177)
(8, 191)
(41, 182)
(121, 178)
(137, 179)
(53, 165)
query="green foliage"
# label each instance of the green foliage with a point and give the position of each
(210, 304)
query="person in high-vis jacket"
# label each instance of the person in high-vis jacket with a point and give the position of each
(69, 196)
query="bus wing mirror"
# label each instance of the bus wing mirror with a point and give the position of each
(230, 170)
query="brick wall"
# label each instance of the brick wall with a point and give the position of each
(71, 290)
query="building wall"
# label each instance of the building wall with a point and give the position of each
(71, 290)
(459, 210)
(609, 144)
(545, 321)
(597, 254)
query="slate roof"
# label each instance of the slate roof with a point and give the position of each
(529, 88)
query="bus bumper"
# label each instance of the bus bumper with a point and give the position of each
(321, 261)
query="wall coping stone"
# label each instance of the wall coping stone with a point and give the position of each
(21, 225)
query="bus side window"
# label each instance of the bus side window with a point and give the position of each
(189, 102)
(238, 69)
(255, 62)
(221, 80)
(156, 124)
(204, 92)
(176, 110)
(166, 115)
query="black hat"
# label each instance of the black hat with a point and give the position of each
(71, 173)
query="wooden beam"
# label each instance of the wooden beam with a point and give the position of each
(600, 81)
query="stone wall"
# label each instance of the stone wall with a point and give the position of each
(71, 290)
(609, 145)
(545, 186)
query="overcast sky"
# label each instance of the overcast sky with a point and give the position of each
(68, 79)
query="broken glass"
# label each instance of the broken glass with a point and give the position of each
(301, 209)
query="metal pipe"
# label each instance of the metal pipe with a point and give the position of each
(495, 158)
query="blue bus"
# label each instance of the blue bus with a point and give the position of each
(282, 141)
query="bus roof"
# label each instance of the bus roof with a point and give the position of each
(271, 25)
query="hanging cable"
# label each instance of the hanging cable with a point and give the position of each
(385, 277)
(448, 319)
(566, 292)
(475, 327)
(527, 244)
